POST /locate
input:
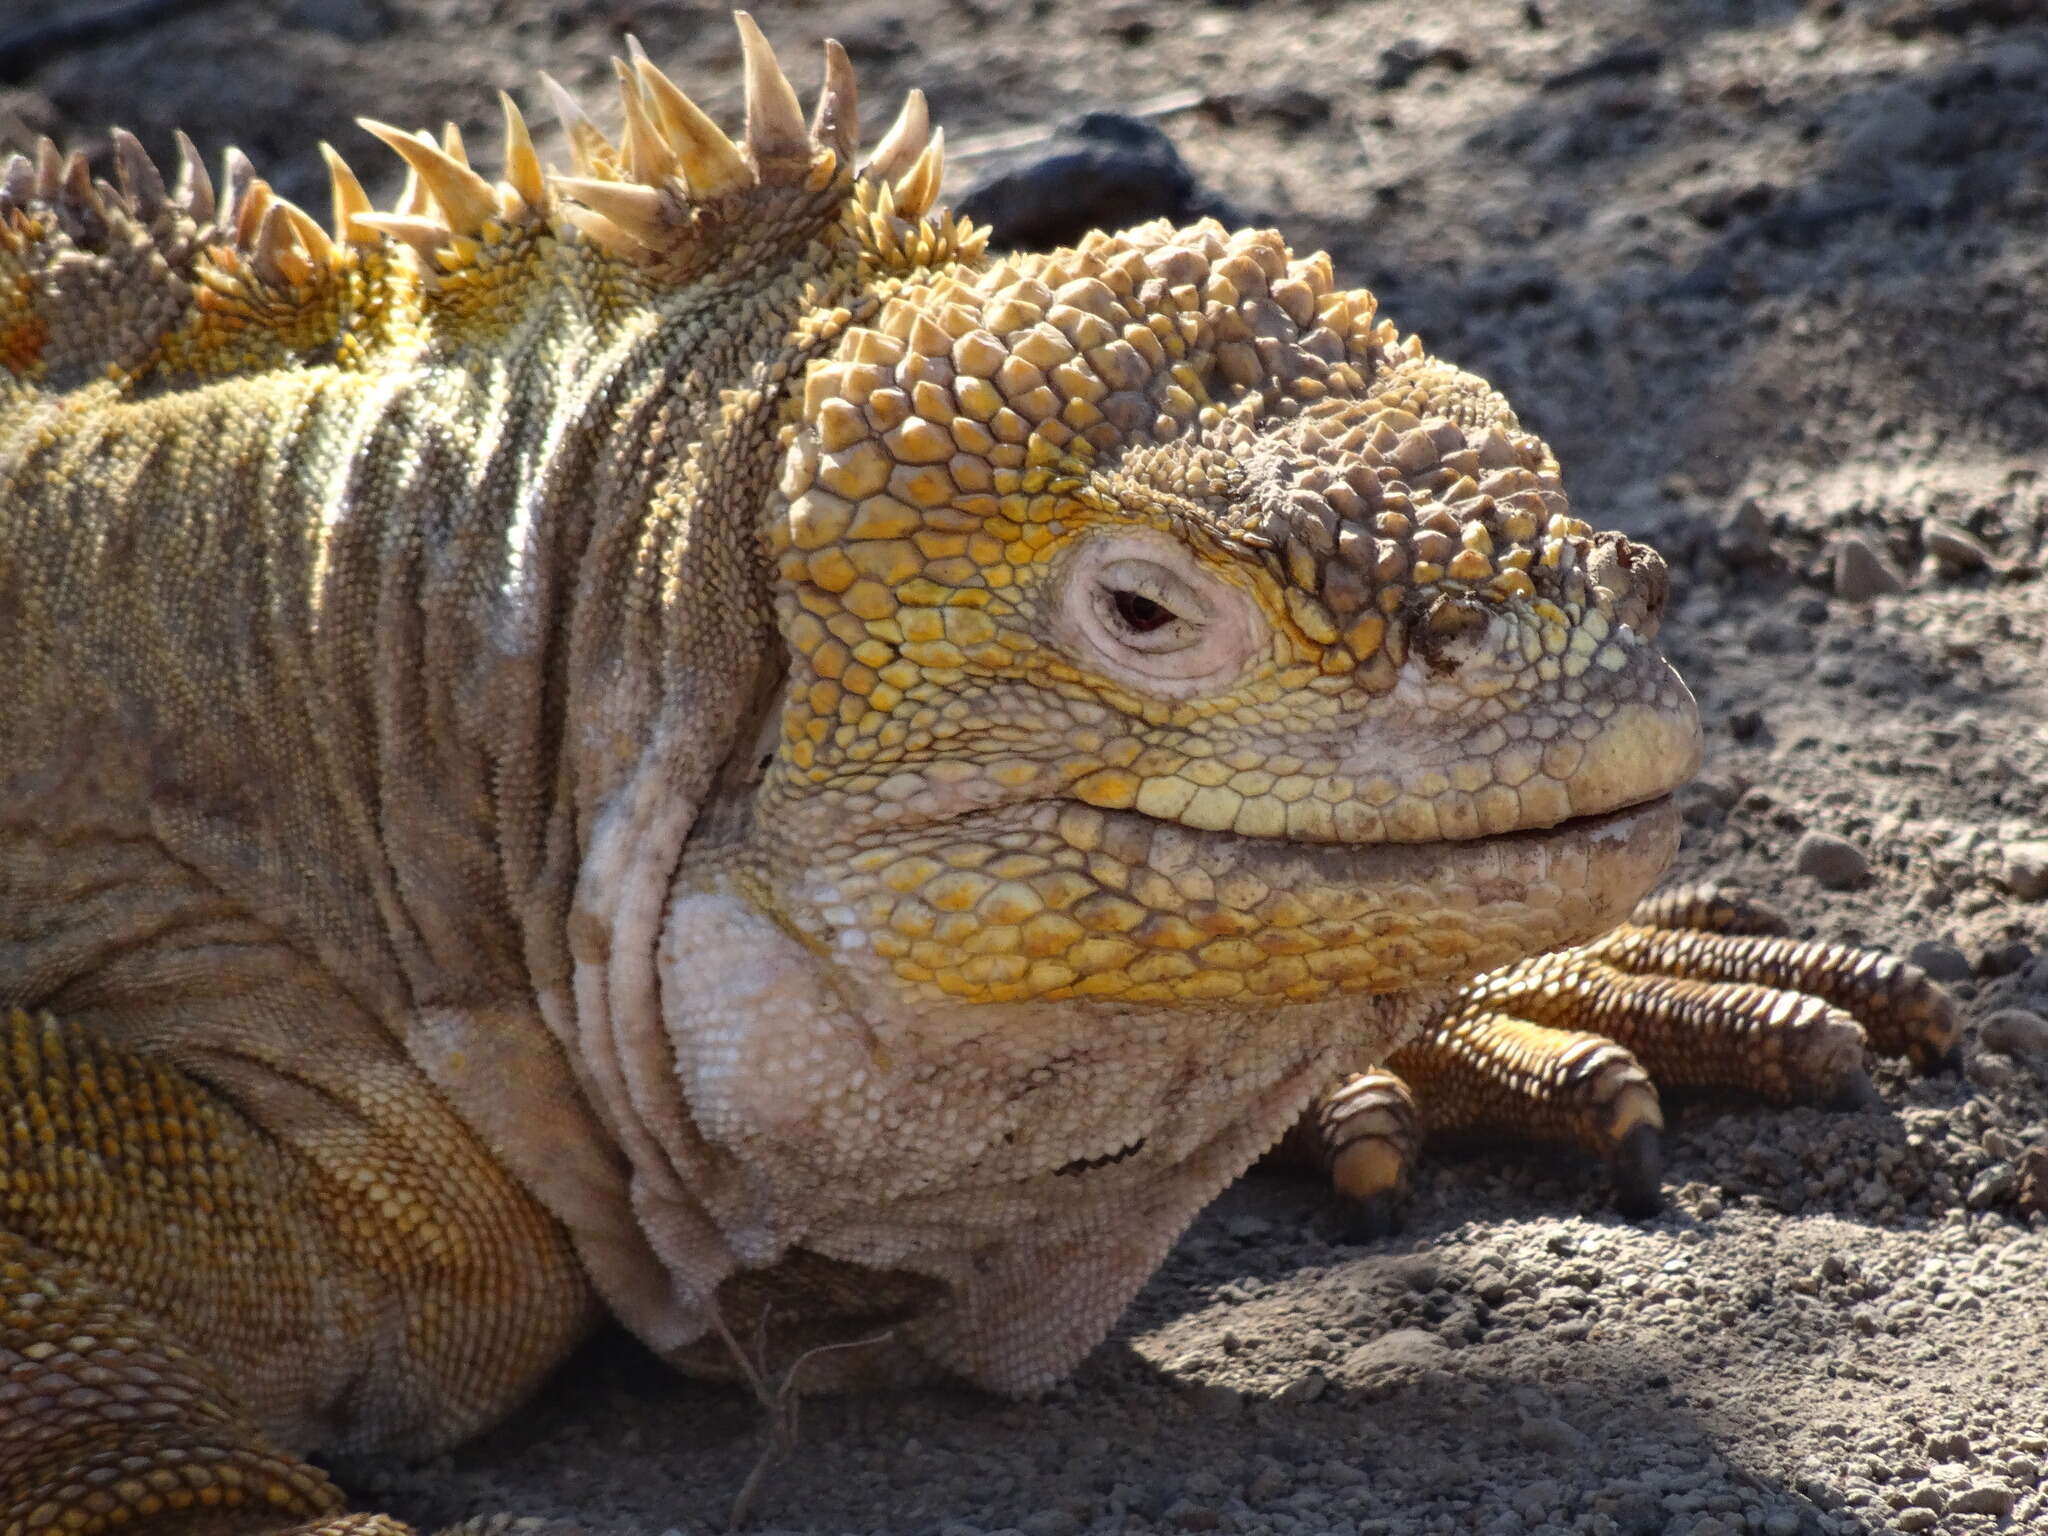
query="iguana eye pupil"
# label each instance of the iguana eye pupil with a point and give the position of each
(1139, 613)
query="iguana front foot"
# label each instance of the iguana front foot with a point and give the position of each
(1699, 992)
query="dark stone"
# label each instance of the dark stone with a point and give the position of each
(1834, 862)
(1620, 62)
(1100, 171)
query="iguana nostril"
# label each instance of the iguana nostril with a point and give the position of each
(1635, 576)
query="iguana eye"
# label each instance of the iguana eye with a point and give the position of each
(1139, 613)
(1139, 606)
(1149, 607)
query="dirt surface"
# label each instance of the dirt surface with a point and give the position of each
(1773, 279)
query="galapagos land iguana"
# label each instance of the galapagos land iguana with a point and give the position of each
(672, 737)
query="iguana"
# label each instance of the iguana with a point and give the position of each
(674, 737)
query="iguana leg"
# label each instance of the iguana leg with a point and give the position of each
(179, 1294)
(1696, 993)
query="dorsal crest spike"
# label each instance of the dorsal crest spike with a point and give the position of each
(194, 187)
(836, 123)
(604, 234)
(522, 166)
(775, 119)
(251, 209)
(588, 147)
(641, 212)
(49, 170)
(310, 235)
(279, 253)
(345, 194)
(140, 183)
(711, 163)
(425, 236)
(237, 175)
(466, 200)
(919, 188)
(904, 141)
(649, 158)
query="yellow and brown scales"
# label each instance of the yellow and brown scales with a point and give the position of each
(673, 736)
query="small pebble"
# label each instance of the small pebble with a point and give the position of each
(1954, 547)
(1861, 573)
(1983, 1499)
(1834, 862)
(1942, 962)
(2015, 1032)
(2026, 869)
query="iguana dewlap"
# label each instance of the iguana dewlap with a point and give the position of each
(676, 735)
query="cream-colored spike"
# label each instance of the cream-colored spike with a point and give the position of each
(603, 233)
(836, 123)
(140, 183)
(775, 119)
(193, 189)
(289, 245)
(919, 188)
(251, 208)
(274, 253)
(522, 166)
(711, 163)
(640, 211)
(588, 147)
(466, 200)
(49, 171)
(310, 235)
(345, 193)
(237, 176)
(904, 142)
(452, 145)
(425, 236)
(649, 158)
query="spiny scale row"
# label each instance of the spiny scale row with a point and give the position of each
(632, 195)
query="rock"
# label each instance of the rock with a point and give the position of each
(1983, 1499)
(2015, 1032)
(1102, 170)
(1955, 548)
(1942, 962)
(1991, 1186)
(2026, 869)
(2004, 959)
(2032, 1193)
(1552, 1435)
(1861, 573)
(1832, 861)
(1534, 1501)
(1954, 1446)
(1399, 1349)
(1744, 536)
(1779, 637)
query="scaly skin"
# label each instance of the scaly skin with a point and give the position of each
(675, 737)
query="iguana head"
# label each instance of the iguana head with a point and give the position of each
(1166, 628)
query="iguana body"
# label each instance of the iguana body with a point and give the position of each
(677, 738)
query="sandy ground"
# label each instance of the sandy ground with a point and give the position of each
(1773, 280)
